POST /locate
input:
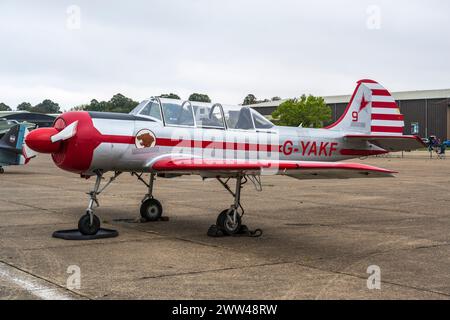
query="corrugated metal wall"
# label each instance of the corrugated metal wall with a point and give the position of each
(437, 118)
(414, 111)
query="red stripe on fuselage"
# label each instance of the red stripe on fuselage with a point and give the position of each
(117, 139)
(166, 142)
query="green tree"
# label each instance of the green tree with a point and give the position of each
(4, 107)
(308, 111)
(169, 96)
(250, 99)
(199, 97)
(46, 106)
(24, 106)
(81, 107)
(120, 103)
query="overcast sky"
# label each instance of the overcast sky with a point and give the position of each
(226, 49)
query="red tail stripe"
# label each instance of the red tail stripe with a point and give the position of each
(380, 92)
(387, 129)
(390, 105)
(393, 117)
(367, 81)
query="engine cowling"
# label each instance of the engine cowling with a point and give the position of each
(74, 153)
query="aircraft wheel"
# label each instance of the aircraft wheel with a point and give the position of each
(2, 170)
(85, 227)
(225, 222)
(151, 210)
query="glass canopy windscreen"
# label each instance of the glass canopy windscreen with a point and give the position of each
(151, 110)
(208, 116)
(260, 121)
(178, 114)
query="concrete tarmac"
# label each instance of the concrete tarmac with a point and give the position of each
(320, 237)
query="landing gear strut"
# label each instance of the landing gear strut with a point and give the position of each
(230, 220)
(89, 224)
(151, 209)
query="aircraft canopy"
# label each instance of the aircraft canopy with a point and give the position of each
(173, 112)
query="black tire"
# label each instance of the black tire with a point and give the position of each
(2, 170)
(85, 227)
(224, 222)
(151, 210)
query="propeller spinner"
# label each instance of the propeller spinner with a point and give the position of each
(48, 140)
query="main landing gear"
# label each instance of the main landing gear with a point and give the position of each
(229, 221)
(89, 224)
(2, 170)
(151, 209)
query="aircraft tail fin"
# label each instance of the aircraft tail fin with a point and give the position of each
(371, 111)
(13, 143)
(12, 140)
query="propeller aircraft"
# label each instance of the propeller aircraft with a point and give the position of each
(170, 138)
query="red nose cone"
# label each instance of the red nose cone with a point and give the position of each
(39, 140)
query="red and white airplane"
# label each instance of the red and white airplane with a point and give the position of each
(169, 138)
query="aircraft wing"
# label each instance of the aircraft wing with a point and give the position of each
(296, 169)
(390, 143)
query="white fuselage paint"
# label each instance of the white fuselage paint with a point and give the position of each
(294, 144)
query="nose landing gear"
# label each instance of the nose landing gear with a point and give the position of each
(89, 224)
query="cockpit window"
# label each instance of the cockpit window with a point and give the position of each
(260, 121)
(245, 120)
(151, 110)
(203, 115)
(178, 114)
(208, 116)
(139, 107)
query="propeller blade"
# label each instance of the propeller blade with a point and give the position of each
(67, 133)
(27, 152)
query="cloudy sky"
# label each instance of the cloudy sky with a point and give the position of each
(73, 51)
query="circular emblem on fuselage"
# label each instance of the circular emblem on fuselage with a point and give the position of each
(145, 139)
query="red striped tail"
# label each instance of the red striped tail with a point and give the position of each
(372, 110)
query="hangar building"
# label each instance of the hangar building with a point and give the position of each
(426, 112)
(42, 120)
